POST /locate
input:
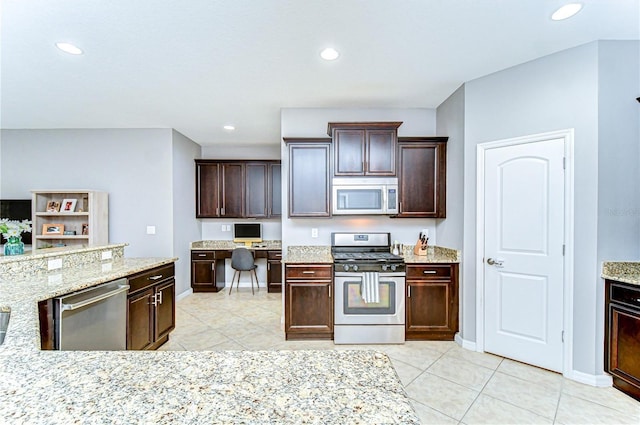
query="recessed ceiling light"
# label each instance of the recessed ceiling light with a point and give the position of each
(566, 11)
(69, 48)
(229, 127)
(329, 54)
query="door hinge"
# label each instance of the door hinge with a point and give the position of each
(564, 163)
(563, 249)
(562, 336)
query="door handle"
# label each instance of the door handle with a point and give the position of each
(495, 262)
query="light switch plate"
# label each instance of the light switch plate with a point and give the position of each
(106, 255)
(314, 232)
(151, 230)
(54, 264)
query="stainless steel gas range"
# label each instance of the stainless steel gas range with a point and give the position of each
(369, 289)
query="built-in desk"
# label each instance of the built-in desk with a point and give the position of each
(208, 264)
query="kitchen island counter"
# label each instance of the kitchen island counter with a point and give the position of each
(180, 387)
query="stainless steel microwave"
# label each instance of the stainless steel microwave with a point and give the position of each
(364, 196)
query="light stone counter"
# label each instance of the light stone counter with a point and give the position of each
(127, 387)
(227, 244)
(435, 254)
(322, 254)
(622, 271)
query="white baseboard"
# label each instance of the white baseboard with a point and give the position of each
(184, 294)
(603, 380)
(466, 344)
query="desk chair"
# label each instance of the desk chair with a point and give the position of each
(242, 260)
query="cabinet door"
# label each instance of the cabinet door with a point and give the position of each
(165, 314)
(232, 190)
(256, 190)
(422, 179)
(309, 168)
(207, 194)
(427, 306)
(308, 309)
(381, 153)
(140, 326)
(275, 190)
(349, 152)
(274, 276)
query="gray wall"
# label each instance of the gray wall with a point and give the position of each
(556, 92)
(186, 228)
(450, 231)
(135, 166)
(312, 122)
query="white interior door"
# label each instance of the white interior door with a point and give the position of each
(523, 252)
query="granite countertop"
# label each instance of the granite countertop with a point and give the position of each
(228, 244)
(622, 271)
(34, 254)
(322, 254)
(124, 387)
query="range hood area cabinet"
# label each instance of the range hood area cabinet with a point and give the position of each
(309, 177)
(422, 177)
(364, 148)
(237, 189)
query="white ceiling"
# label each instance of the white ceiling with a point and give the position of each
(196, 65)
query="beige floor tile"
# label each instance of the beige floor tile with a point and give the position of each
(534, 374)
(538, 399)
(574, 410)
(200, 341)
(304, 345)
(429, 416)
(461, 372)
(420, 356)
(259, 340)
(406, 372)
(227, 346)
(444, 396)
(481, 359)
(488, 410)
(171, 345)
(608, 396)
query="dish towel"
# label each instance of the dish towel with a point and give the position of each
(370, 290)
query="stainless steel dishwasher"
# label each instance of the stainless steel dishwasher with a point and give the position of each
(92, 319)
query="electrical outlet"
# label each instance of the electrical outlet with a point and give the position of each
(55, 264)
(106, 267)
(314, 233)
(228, 227)
(106, 255)
(151, 230)
(223, 228)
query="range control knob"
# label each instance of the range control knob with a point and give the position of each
(355, 268)
(346, 267)
(384, 267)
(393, 267)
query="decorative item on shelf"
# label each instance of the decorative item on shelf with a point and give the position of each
(69, 232)
(69, 205)
(53, 229)
(53, 206)
(12, 231)
(421, 245)
(85, 229)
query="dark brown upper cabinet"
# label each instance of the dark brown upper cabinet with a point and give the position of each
(364, 148)
(236, 189)
(309, 177)
(422, 176)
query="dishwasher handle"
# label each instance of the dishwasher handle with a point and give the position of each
(93, 300)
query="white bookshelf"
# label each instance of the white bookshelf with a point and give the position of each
(91, 211)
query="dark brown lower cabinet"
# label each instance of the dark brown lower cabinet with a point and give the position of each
(274, 271)
(308, 301)
(204, 269)
(151, 308)
(432, 302)
(622, 336)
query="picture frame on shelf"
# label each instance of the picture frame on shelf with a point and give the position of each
(68, 205)
(53, 206)
(85, 228)
(53, 229)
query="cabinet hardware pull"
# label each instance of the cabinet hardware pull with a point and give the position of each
(429, 272)
(329, 291)
(160, 296)
(222, 211)
(202, 255)
(217, 211)
(308, 272)
(409, 292)
(213, 266)
(155, 300)
(268, 266)
(156, 277)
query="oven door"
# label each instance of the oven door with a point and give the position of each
(351, 308)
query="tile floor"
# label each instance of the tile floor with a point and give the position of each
(446, 383)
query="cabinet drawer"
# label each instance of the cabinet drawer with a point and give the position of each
(305, 271)
(150, 277)
(274, 255)
(203, 255)
(625, 295)
(428, 272)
